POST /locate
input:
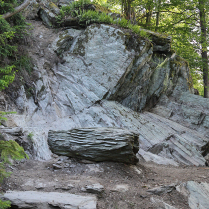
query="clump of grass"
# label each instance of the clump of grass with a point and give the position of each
(86, 17)
(90, 16)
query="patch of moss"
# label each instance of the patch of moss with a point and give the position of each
(53, 6)
(62, 37)
(179, 61)
(99, 8)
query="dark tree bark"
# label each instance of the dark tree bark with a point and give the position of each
(149, 13)
(17, 9)
(203, 41)
(158, 14)
(126, 8)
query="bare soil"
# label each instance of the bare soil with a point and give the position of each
(133, 185)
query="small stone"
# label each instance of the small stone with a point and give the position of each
(162, 190)
(66, 165)
(40, 186)
(68, 187)
(59, 162)
(94, 188)
(55, 166)
(87, 162)
(63, 158)
(120, 188)
(55, 156)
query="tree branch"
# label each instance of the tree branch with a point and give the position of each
(17, 9)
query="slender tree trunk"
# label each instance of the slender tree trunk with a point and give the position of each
(17, 9)
(204, 45)
(127, 8)
(148, 13)
(122, 6)
(158, 14)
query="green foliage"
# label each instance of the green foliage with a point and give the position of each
(2, 114)
(74, 8)
(123, 23)
(87, 17)
(104, 18)
(11, 31)
(5, 204)
(11, 149)
(24, 62)
(175, 17)
(197, 81)
(8, 76)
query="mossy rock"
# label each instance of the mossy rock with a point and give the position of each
(54, 8)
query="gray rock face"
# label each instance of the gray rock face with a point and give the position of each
(105, 79)
(49, 200)
(197, 193)
(97, 144)
(191, 110)
(145, 83)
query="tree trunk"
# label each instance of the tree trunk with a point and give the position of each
(127, 8)
(203, 41)
(148, 13)
(158, 14)
(96, 144)
(17, 9)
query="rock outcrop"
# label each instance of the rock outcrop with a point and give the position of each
(103, 76)
(96, 144)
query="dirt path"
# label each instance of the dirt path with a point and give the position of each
(125, 186)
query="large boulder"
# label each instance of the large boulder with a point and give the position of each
(96, 144)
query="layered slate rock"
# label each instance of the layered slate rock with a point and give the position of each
(105, 77)
(49, 200)
(160, 137)
(151, 76)
(197, 194)
(190, 110)
(96, 144)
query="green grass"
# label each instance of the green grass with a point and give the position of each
(87, 17)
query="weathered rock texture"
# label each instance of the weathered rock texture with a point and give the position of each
(160, 204)
(49, 200)
(102, 76)
(96, 144)
(197, 194)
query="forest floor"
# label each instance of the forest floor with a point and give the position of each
(125, 186)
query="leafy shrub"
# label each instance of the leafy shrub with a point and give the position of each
(86, 16)
(123, 23)
(105, 18)
(11, 31)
